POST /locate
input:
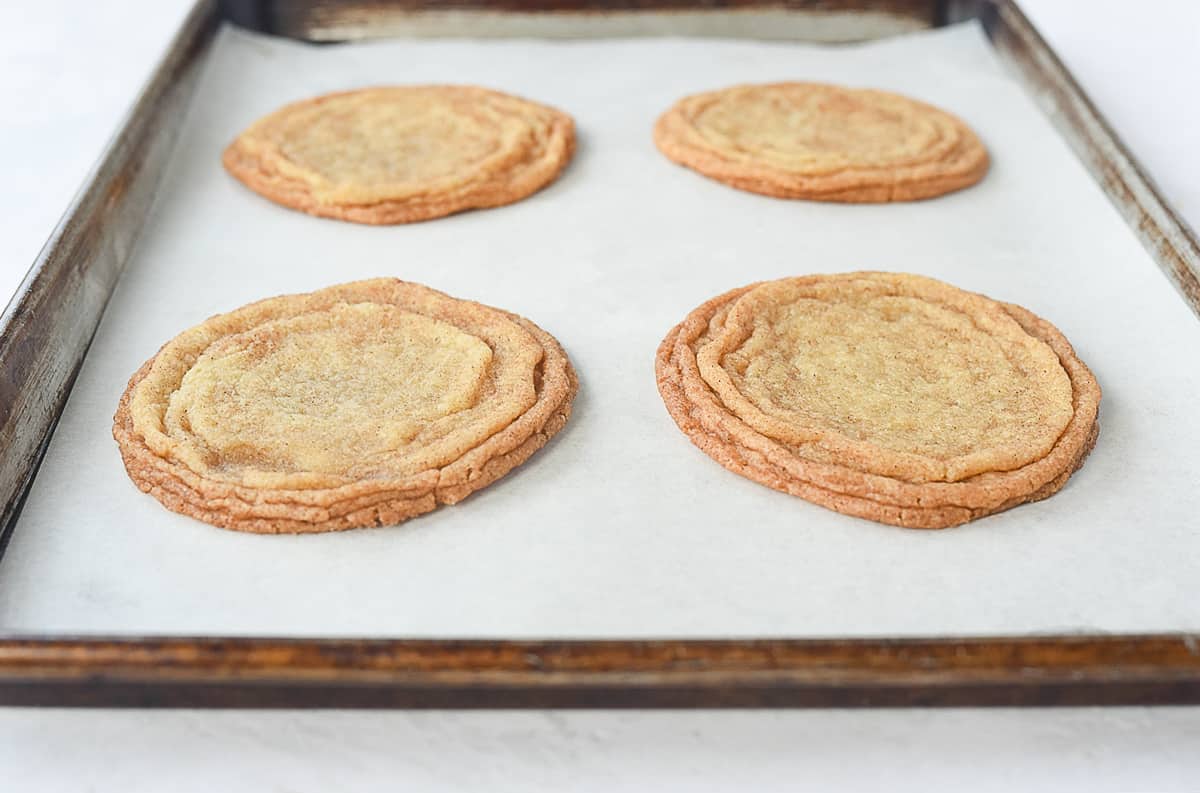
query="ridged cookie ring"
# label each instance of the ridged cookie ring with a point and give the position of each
(891, 397)
(363, 404)
(822, 142)
(402, 154)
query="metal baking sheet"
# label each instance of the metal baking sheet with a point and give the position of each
(620, 528)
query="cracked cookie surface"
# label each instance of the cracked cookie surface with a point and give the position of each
(402, 154)
(822, 142)
(357, 405)
(893, 397)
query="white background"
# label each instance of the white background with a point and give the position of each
(68, 72)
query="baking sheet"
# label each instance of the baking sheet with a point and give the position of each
(620, 527)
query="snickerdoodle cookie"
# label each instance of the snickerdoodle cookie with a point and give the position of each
(822, 142)
(887, 396)
(363, 404)
(404, 153)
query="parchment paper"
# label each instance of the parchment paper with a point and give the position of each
(620, 527)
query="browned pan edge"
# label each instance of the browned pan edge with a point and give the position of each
(826, 20)
(245, 672)
(47, 327)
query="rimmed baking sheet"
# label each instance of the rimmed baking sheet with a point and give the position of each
(620, 528)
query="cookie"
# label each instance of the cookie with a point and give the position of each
(891, 397)
(362, 404)
(402, 154)
(822, 142)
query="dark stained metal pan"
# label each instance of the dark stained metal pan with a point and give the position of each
(46, 330)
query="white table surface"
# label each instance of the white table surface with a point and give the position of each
(68, 71)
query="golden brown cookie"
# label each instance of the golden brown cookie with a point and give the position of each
(403, 154)
(891, 397)
(822, 142)
(363, 404)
